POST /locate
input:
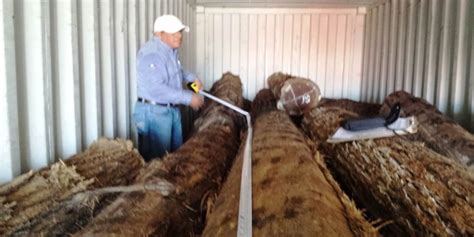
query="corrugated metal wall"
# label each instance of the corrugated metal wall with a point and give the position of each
(322, 44)
(67, 73)
(425, 47)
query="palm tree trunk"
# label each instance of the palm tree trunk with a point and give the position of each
(419, 191)
(435, 130)
(195, 170)
(293, 192)
(34, 204)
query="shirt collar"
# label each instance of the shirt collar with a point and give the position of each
(164, 46)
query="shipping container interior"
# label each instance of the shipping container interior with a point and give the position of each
(67, 67)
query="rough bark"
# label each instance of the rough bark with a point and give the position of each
(419, 191)
(293, 192)
(436, 130)
(276, 82)
(35, 202)
(360, 108)
(196, 170)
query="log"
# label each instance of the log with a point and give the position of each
(436, 130)
(195, 170)
(110, 162)
(34, 202)
(421, 192)
(293, 192)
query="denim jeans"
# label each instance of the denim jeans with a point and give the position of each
(159, 129)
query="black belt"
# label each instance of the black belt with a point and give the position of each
(143, 100)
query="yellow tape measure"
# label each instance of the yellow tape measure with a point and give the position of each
(193, 86)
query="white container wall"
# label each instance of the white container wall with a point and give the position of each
(67, 74)
(425, 47)
(323, 44)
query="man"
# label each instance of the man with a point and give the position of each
(160, 90)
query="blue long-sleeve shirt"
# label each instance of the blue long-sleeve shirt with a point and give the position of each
(160, 75)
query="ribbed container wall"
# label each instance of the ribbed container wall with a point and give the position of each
(425, 47)
(67, 74)
(323, 44)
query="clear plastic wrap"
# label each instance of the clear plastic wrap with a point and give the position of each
(298, 96)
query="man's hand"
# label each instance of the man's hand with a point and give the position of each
(196, 102)
(198, 84)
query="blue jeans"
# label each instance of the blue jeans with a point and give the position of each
(159, 129)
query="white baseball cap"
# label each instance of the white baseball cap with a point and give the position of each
(169, 24)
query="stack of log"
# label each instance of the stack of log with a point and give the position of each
(195, 172)
(420, 191)
(46, 202)
(293, 192)
(435, 130)
(416, 185)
